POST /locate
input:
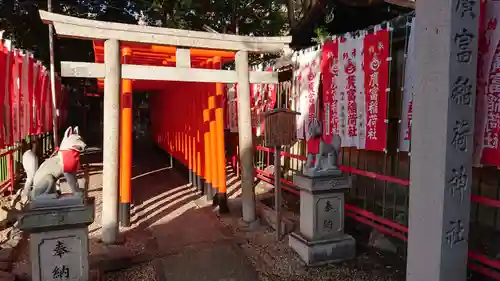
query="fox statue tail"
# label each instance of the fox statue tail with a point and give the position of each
(30, 165)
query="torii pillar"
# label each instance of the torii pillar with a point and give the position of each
(245, 138)
(446, 33)
(126, 146)
(111, 141)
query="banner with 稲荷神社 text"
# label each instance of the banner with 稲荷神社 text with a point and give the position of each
(306, 86)
(355, 80)
(376, 68)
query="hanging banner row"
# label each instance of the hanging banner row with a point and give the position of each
(345, 84)
(353, 103)
(27, 100)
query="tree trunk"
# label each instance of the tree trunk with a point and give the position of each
(291, 12)
(305, 5)
(167, 13)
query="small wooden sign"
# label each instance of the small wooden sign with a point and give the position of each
(280, 127)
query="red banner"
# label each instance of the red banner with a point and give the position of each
(3, 84)
(330, 70)
(44, 94)
(7, 106)
(14, 96)
(24, 96)
(26, 100)
(488, 101)
(42, 75)
(31, 95)
(50, 107)
(376, 68)
(355, 81)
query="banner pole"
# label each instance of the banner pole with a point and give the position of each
(55, 112)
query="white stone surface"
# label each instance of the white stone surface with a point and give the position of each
(111, 141)
(91, 29)
(320, 252)
(60, 255)
(245, 138)
(321, 215)
(446, 33)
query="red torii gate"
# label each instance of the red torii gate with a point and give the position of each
(196, 141)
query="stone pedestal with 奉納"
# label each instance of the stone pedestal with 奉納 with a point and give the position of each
(59, 237)
(321, 238)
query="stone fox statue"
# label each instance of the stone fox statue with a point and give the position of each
(325, 155)
(65, 162)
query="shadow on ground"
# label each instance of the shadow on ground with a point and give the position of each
(175, 229)
(171, 226)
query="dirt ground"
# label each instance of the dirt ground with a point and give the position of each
(276, 261)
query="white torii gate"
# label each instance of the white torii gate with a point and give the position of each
(112, 71)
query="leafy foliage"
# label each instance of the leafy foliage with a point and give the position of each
(322, 34)
(258, 17)
(21, 22)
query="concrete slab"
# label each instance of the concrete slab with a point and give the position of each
(193, 227)
(196, 247)
(216, 262)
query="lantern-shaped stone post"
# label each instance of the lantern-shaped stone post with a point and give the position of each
(279, 129)
(321, 238)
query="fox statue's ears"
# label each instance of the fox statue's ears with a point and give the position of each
(70, 131)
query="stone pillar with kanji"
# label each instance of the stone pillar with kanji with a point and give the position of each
(442, 139)
(58, 231)
(321, 238)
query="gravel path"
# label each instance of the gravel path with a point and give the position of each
(278, 262)
(145, 272)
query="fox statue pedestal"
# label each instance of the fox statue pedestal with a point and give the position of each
(59, 237)
(321, 238)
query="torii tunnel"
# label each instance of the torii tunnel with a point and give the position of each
(187, 119)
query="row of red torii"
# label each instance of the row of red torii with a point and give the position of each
(113, 72)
